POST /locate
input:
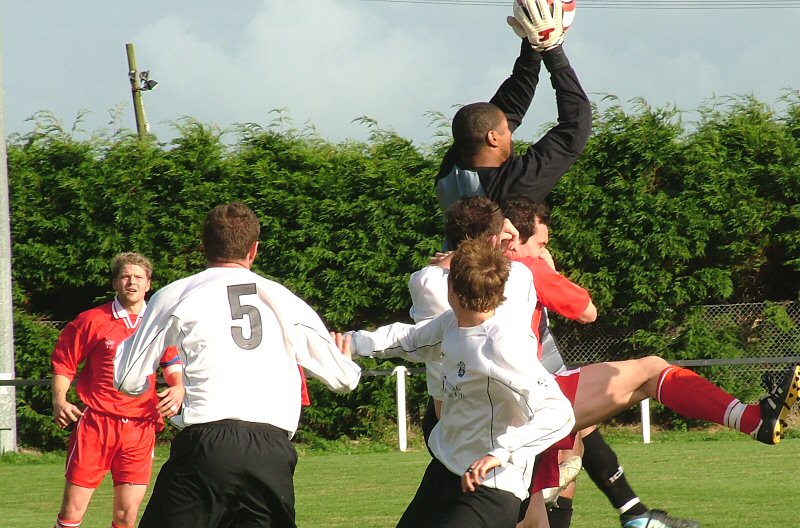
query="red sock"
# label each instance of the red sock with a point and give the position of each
(693, 396)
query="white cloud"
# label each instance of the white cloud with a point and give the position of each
(330, 61)
(325, 62)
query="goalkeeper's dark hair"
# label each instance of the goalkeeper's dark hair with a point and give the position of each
(471, 124)
(472, 217)
(229, 232)
(522, 211)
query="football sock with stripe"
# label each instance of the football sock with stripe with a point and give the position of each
(602, 465)
(693, 396)
(65, 523)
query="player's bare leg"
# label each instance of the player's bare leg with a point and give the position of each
(73, 505)
(605, 389)
(558, 501)
(536, 514)
(127, 499)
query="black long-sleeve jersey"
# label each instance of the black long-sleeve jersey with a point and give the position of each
(536, 172)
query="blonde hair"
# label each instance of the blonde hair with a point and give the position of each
(121, 260)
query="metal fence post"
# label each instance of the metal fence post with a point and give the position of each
(646, 420)
(401, 406)
(8, 406)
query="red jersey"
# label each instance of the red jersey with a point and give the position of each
(554, 292)
(91, 340)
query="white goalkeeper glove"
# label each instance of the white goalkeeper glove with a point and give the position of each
(534, 20)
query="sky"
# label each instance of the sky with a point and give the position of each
(322, 64)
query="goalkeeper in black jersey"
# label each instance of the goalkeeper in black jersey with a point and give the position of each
(481, 160)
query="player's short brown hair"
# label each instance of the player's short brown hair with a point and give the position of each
(522, 211)
(121, 260)
(472, 217)
(471, 124)
(478, 275)
(229, 232)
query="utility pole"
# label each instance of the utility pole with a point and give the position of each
(140, 81)
(8, 399)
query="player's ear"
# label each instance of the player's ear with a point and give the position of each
(251, 255)
(491, 138)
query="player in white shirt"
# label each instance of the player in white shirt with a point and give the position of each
(240, 338)
(501, 407)
(426, 305)
(428, 286)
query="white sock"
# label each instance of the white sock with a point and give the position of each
(733, 415)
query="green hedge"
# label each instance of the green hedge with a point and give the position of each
(657, 216)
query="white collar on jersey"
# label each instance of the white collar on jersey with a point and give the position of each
(121, 313)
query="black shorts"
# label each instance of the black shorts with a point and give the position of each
(225, 474)
(440, 503)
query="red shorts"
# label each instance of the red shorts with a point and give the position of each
(547, 473)
(102, 443)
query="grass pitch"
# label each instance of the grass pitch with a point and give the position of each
(721, 480)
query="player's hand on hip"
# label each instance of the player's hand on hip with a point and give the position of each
(475, 474)
(171, 400)
(65, 413)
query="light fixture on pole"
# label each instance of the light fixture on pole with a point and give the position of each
(146, 82)
(140, 82)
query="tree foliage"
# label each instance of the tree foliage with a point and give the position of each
(655, 217)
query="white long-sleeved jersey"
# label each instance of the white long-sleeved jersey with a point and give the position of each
(498, 399)
(240, 338)
(428, 288)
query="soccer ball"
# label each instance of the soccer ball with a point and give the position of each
(569, 12)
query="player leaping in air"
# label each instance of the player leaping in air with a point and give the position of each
(481, 160)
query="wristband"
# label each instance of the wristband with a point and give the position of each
(555, 59)
(528, 53)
